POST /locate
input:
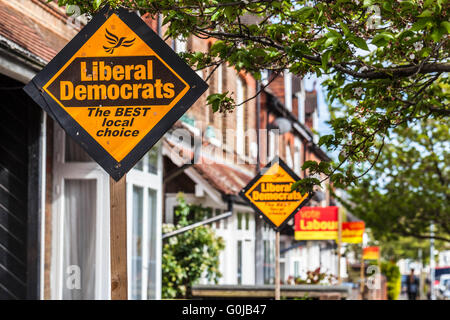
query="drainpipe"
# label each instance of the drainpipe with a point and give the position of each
(259, 249)
(258, 113)
(230, 204)
(159, 25)
(306, 147)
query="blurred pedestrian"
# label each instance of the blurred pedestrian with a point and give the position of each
(412, 286)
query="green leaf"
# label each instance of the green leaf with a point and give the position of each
(424, 14)
(359, 42)
(325, 139)
(70, 9)
(229, 13)
(345, 29)
(330, 41)
(305, 12)
(97, 4)
(446, 25)
(325, 59)
(420, 24)
(437, 33)
(382, 38)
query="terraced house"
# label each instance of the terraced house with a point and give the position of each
(54, 199)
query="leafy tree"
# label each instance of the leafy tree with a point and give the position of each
(190, 255)
(408, 187)
(386, 61)
(409, 248)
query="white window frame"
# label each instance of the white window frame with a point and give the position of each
(315, 121)
(78, 171)
(239, 116)
(301, 96)
(146, 180)
(297, 155)
(272, 144)
(288, 89)
(180, 44)
(219, 78)
(92, 171)
(289, 161)
(248, 238)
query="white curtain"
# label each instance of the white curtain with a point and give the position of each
(79, 239)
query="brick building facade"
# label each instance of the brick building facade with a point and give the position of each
(63, 231)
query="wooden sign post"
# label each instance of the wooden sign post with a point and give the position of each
(277, 266)
(362, 272)
(118, 230)
(270, 195)
(339, 245)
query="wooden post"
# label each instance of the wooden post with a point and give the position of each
(118, 236)
(339, 245)
(277, 265)
(362, 273)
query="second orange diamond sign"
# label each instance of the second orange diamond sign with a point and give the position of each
(269, 193)
(116, 88)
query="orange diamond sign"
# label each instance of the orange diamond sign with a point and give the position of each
(269, 193)
(116, 88)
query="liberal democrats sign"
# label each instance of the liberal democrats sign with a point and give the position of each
(270, 194)
(116, 88)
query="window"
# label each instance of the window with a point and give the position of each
(273, 146)
(153, 247)
(301, 106)
(218, 212)
(264, 77)
(225, 223)
(219, 78)
(296, 269)
(297, 155)
(239, 261)
(80, 224)
(282, 247)
(149, 162)
(239, 221)
(79, 238)
(268, 268)
(239, 117)
(144, 183)
(180, 45)
(288, 89)
(289, 161)
(209, 213)
(136, 244)
(315, 119)
(247, 221)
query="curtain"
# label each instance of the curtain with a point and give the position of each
(79, 239)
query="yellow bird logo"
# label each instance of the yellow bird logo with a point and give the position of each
(116, 42)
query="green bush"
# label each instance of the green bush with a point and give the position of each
(394, 279)
(190, 255)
